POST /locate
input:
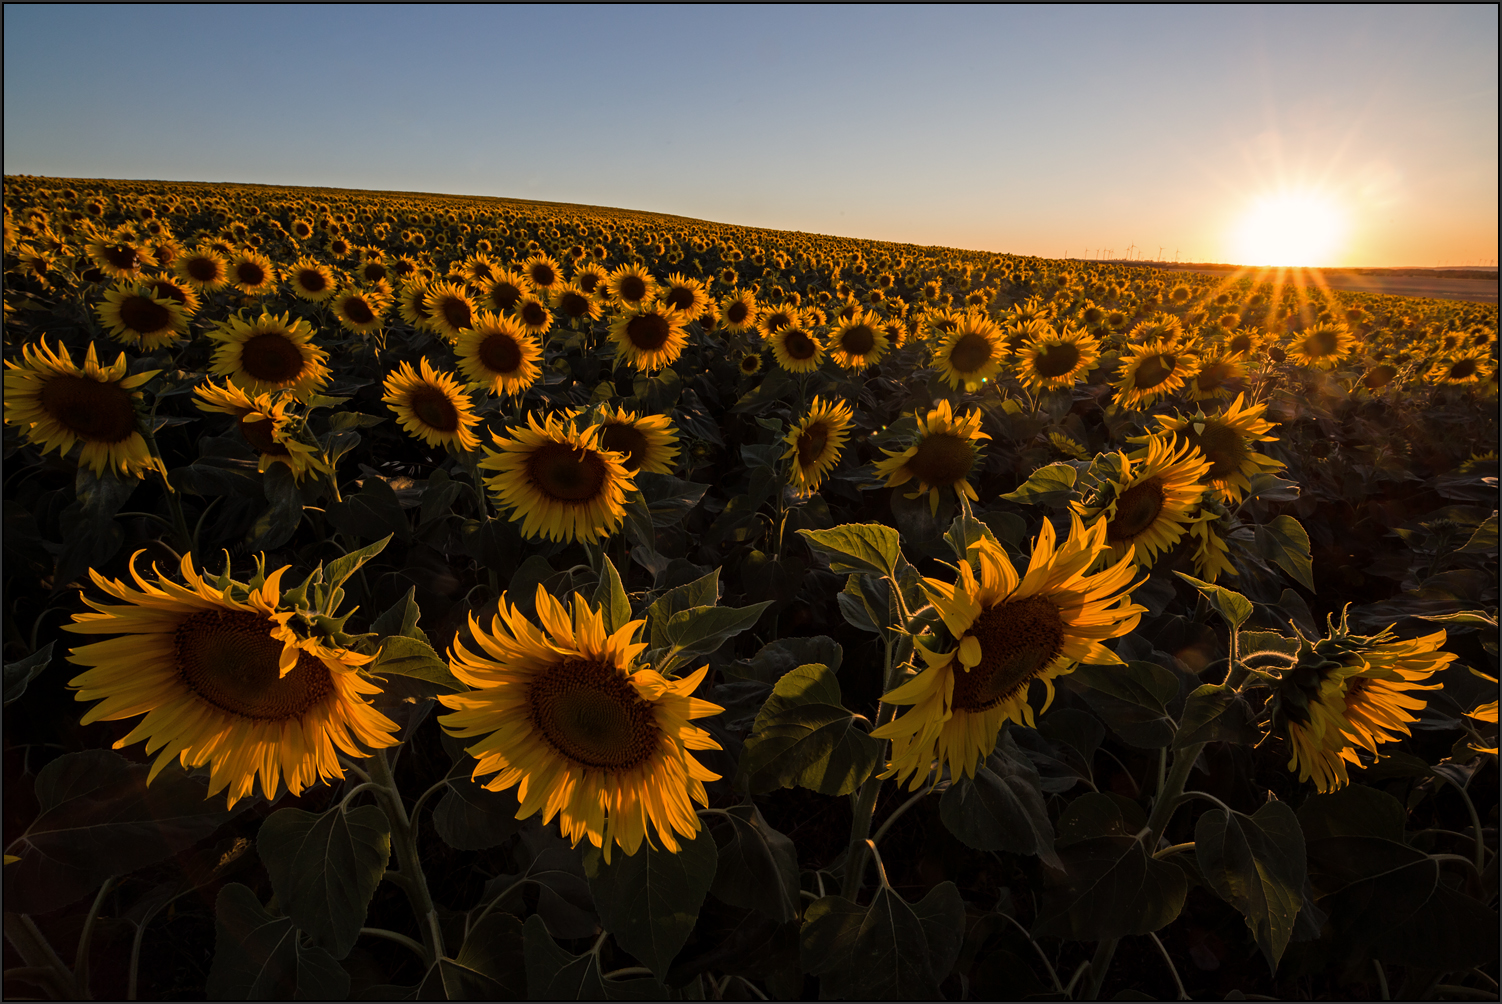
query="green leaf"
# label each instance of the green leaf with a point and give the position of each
(889, 950)
(1355, 810)
(1216, 713)
(965, 532)
(403, 656)
(371, 513)
(1051, 486)
(650, 900)
(19, 674)
(325, 867)
(97, 818)
(698, 631)
(1110, 888)
(470, 817)
(669, 499)
(1270, 488)
(343, 420)
(1100, 814)
(1267, 641)
(1484, 540)
(610, 597)
(1131, 699)
(1468, 618)
(400, 618)
(259, 956)
(777, 657)
(337, 572)
(1002, 808)
(871, 548)
(439, 496)
(1285, 543)
(702, 592)
(757, 866)
(804, 737)
(492, 964)
(1230, 604)
(217, 476)
(1257, 864)
(555, 974)
(282, 516)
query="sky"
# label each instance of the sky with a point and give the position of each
(1369, 134)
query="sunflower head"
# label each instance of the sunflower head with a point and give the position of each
(499, 355)
(646, 442)
(859, 341)
(630, 286)
(1148, 497)
(814, 444)
(685, 295)
(560, 481)
(252, 273)
(1227, 439)
(137, 316)
(432, 406)
(738, 312)
(449, 309)
(312, 280)
(971, 354)
(796, 348)
(649, 336)
(204, 269)
(1056, 360)
(944, 455)
(271, 353)
(1322, 346)
(267, 424)
(1154, 370)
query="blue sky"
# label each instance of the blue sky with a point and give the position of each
(1033, 130)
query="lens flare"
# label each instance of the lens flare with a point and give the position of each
(1290, 228)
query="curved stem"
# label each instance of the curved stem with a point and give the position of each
(417, 805)
(81, 955)
(1480, 852)
(897, 813)
(1100, 964)
(1207, 797)
(1168, 799)
(416, 885)
(865, 800)
(616, 974)
(1052, 973)
(1173, 849)
(1178, 983)
(1381, 979)
(400, 939)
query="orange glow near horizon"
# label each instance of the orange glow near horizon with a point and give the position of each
(1300, 228)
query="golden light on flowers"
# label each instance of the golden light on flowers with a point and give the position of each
(135, 317)
(1056, 360)
(1005, 632)
(252, 273)
(1347, 691)
(738, 312)
(859, 342)
(1154, 370)
(1152, 499)
(795, 348)
(1227, 439)
(1290, 228)
(814, 444)
(505, 290)
(225, 681)
(266, 424)
(944, 455)
(533, 314)
(649, 336)
(312, 280)
(971, 354)
(630, 285)
(562, 713)
(773, 319)
(542, 271)
(271, 353)
(203, 269)
(432, 406)
(58, 404)
(1322, 346)
(560, 482)
(359, 311)
(118, 259)
(750, 364)
(646, 442)
(573, 304)
(685, 295)
(499, 355)
(1216, 377)
(449, 309)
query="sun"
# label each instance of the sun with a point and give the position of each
(1290, 228)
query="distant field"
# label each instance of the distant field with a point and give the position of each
(1471, 290)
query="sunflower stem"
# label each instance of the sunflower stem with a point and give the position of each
(174, 503)
(1480, 851)
(86, 937)
(865, 800)
(1168, 795)
(416, 883)
(1099, 966)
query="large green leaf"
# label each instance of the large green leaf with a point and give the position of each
(889, 950)
(98, 817)
(669, 499)
(1356, 810)
(414, 657)
(283, 514)
(777, 657)
(554, 974)
(1285, 542)
(325, 867)
(371, 513)
(1216, 713)
(91, 535)
(260, 956)
(610, 596)
(1002, 808)
(1051, 486)
(491, 965)
(757, 866)
(650, 900)
(872, 548)
(804, 737)
(1131, 699)
(702, 592)
(338, 571)
(470, 817)
(1230, 604)
(19, 674)
(696, 632)
(1257, 864)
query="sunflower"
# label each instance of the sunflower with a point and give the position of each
(685, 295)
(1056, 360)
(57, 404)
(533, 315)
(750, 364)
(1218, 375)
(591, 279)
(1465, 367)
(432, 406)
(574, 304)
(359, 311)
(225, 681)
(1155, 369)
(814, 444)
(770, 320)
(312, 280)
(543, 272)
(118, 258)
(858, 342)
(649, 336)
(252, 273)
(1349, 690)
(480, 269)
(499, 355)
(560, 481)
(738, 312)
(203, 269)
(944, 455)
(373, 269)
(273, 352)
(449, 309)
(647, 443)
(136, 317)
(505, 290)
(796, 349)
(1152, 499)
(1227, 439)
(630, 286)
(971, 354)
(1322, 346)
(266, 426)
(412, 302)
(1008, 631)
(167, 288)
(582, 733)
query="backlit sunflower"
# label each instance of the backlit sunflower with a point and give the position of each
(118, 258)
(499, 355)
(685, 295)
(58, 404)
(646, 443)
(971, 354)
(591, 279)
(271, 353)
(649, 336)
(944, 455)
(266, 425)
(223, 680)
(738, 312)
(136, 317)
(1349, 690)
(412, 302)
(1218, 375)
(1056, 360)
(312, 280)
(574, 305)
(533, 315)
(1155, 369)
(203, 269)
(252, 273)
(560, 481)
(1006, 632)
(796, 349)
(449, 309)
(1151, 501)
(1228, 440)
(1466, 367)
(858, 342)
(566, 717)
(750, 364)
(630, 286)
(432, 406)
(814, 444)
(480, 270)
(770, 320)
(502, 293)
(359, 311)
(542, 271)
(1322, 346)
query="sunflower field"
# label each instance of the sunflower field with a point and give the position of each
(428, 597)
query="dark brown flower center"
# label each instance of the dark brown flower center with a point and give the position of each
(1017, 642)
(632, 288)
(373, 271)
(259, 435)
(534, 314)
(500, 354)
(750, 364)
(737, 312)
(587, 281)
(625, 439)
(96, 412)
(1136, 510)
(434, 409)
(1321, 343)
(811, 444)
(358, 311)
(143, 315)
(799, 345)
(121, 256)
(1240, 343)
(591, 714)
(778, 319)
(1463, 370)
(574, 304)
(249, 273)
(503, 295)
(648, 332)
(970, 352)
(1214, 375)
(680, 297)
(1222, 445)
(312, 280)
(202, 269)
(566, 473)
(456, 312)
(271, 358)
(1379, 376)
(942, 459)
(858, 339)
(542, 274)
(1057, 360)
(229, 660)
(1155, 369)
